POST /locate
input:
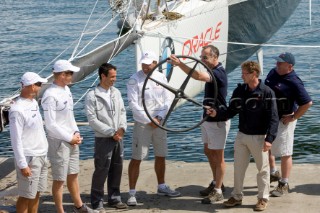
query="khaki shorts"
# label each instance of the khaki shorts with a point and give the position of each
(215, 134)
(143, 136)
(37, 182)
(283, 144)
(64, 159)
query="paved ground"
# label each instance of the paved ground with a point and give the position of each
(188, 178)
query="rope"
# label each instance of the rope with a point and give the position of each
(95, 36)
(236, 43)
(85, 26)
(84, 94)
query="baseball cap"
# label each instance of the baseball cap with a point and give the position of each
(148, 57)
(286, 57)
(63, 66)
(30, 78)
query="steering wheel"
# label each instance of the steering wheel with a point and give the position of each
(179, 93)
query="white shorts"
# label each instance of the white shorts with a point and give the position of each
(37, 182)
(215, 134)
(143, 136)
(283, 144)
(64, 159)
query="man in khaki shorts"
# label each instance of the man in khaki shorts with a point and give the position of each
(145, 132)
(63, 136)
(29, 144)
(293, 102)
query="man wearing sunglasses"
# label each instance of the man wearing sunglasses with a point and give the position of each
(63, 136)
(29, 144)
(258, 121)
(214, 130)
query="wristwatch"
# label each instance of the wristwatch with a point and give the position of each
(159, 118)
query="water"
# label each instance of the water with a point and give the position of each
(33, 33)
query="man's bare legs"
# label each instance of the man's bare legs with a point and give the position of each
(160, 168)
(286, 166)
(34, 204)
(220, 166)
(211, 160)
(133, 172)
(26, 205)
(73, 187)
(57, 190)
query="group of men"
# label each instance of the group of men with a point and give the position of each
(259, 107)
(268, 113)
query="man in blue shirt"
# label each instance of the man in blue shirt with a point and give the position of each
(258, 122)
(214, 130)
(292, 101)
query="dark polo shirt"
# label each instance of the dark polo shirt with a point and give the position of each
(289, 91)
(220, 75)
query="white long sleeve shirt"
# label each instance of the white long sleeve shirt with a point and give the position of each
(157, 98)
(26, 131)
(57, 104)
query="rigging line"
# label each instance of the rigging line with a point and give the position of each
(98, 20)
(80, 38)
(119, 36)
(270, 45)
(236, 43)
(96, 23)
(87, 78)
(14, 93)
(84, 94)
(298, 35)
(133, 26)
(94, 37)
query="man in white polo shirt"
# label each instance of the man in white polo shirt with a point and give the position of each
(144, 131)
(29, 144)
(63, 136)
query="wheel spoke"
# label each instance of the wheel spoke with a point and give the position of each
(193, 101)
(178, 93)
(186, 81)
(173, 104)
(168, 87)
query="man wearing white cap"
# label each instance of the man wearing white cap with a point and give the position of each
(29, 144)
(145, 132)
(63, 136)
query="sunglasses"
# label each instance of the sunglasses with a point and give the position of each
(204, 57)
(38, 84)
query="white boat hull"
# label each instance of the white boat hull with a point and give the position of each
(188, 35)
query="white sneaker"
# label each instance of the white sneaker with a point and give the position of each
(166, 191)
(132, 201)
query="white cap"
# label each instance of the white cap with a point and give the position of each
(30, 78)
(64, 66)
(148, 57)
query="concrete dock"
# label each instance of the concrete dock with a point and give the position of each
(189, 179)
